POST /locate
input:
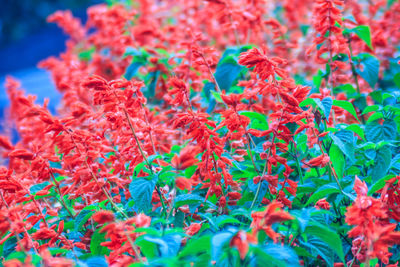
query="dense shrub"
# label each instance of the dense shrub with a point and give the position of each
(219, 132)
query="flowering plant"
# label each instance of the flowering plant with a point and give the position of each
(210, 132)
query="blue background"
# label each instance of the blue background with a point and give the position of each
(26, 38)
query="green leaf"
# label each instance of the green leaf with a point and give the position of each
(168, 245)
(225, 219)
(338, 160)
(218, 242)
(327, 104)
(396, 79)
(274, 255)
(95, 247)
(319, 248)
(381, 163)
(323, 192)
(317, 79)
(346, 105)
(370, 109)
(227, 72)
(364, 33)
(141, 191)
(196, 245)
(376, 132)
(258, 120)
(188, 199)
(308, 101)
(345, 141)
(86, 55)
(356, 129)
(346, 88)
(328, 236)
(217, 96)
(378, 185)
(370, 69)
(82, 218)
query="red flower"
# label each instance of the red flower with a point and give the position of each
(241, 241)
(263, 220)
(264, 66)
(322, 204)
(183, 183)
(103, 216)
(22, 154)
(193, 229)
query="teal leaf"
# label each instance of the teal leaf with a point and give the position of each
(375, 132)
(370, 68)
(141, 191)
(381, 163)
(227, 72)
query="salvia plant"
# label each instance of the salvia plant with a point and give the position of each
(210, 133)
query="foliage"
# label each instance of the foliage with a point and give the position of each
(199, 133)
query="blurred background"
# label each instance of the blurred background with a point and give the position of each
(26, 38)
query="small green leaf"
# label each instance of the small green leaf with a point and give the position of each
(364, 33)
(188, 199)
(369, 109)
(338, 160)
(217, 96)
(356, 129)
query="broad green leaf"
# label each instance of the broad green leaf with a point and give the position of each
(346, 88)
(225, 219)
(374, 117)
(258, 120)
(328, 236)
(346, 105)
(325, 105)
(196, 245)
(396, 79)
(274, 255)
(168, 245)
(218, 242)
